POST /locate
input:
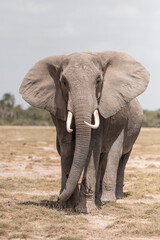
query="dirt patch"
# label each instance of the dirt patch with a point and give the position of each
(27, 167)
(144, 161)
(99, 221)
(149, 199)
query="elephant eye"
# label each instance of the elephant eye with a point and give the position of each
(98, 80)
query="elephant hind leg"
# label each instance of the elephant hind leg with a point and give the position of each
(100, 175)
(58, 146)
(120, 175)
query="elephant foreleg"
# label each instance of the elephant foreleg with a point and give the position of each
(88, 185)
(67, 152)
(100, 175)
(58, 146)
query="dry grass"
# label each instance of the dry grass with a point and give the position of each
(30, 181)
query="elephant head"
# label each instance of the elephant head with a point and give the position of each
(83, 84)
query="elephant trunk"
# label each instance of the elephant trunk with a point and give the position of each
(82, 112)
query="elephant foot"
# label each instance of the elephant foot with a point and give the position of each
(86, 207)
(120, 195)
(108, 197)
(69, 204)
(72, 202)
(98, 201)
(86, 204)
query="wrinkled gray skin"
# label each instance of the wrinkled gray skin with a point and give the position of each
(81, 83)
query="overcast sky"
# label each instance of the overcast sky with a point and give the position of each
(33, 29)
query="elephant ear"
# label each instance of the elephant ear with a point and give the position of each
(124, 79)
(41, 87)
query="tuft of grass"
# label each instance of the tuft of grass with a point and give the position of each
(138, 220)
(3, 232)
(19, 236)
(4, 225)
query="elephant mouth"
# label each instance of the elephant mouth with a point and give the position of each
(93, 126)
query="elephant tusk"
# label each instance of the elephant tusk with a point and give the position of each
(69, 121)
(96, 120)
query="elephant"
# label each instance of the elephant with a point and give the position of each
(92, 100)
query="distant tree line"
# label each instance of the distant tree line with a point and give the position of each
(16, 115)
(151, 118)
(11, 114)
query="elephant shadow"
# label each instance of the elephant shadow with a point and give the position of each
(50, 204)
(53, 204)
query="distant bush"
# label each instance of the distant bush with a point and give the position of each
(151, 118)
(15, 115)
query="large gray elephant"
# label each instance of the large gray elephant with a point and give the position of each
(92, 101)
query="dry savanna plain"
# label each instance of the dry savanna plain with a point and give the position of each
(30, 183)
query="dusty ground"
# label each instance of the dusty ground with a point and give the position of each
(30, 182)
